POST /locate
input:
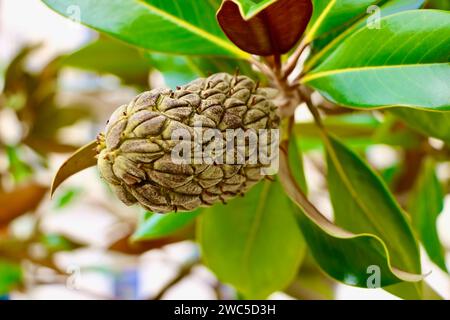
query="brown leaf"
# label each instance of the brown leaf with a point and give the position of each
(20, 201)
(83, 158)
(274, 30)
(44, 146)
(127, 246)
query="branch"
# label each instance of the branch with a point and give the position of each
(182, 273)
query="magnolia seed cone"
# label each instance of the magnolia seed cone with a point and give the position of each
(135, 149)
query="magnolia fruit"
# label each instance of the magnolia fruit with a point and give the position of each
(205, 142)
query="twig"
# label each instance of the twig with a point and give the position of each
(293, 59)
(217, 287)
(315, 113)
(263, 68)
(183, 272)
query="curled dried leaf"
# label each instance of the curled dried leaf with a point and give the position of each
(83, 158)
(273, 30)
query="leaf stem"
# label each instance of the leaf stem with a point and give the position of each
(314, 111)
(293, 59)
(262, 67)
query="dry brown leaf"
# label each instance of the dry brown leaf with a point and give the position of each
(83, 158)
(21, 200)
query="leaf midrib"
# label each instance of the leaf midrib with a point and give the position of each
(353, 193)
(327, 73)
(194, 29)
(311, 34)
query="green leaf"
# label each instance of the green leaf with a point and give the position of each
(363, 204)
(390, 173)
(328, 15)
(380, 72)
(426, 202)
(311, 282)
(252, 242)
(343, 255)
(296, 157)
(178, 70)
(353, 125)
(178, 26)
(109, 56)
(434, 124)
(250, 8)
(160, 225)
(10, 276)
(388, 8)
(347, 257)
(355, 129)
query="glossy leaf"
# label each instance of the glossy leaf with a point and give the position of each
(353, 125)
(363, 204)
(296, 157)
(311, 283)
(252, 242)
(176, 70)
(380, 72)
(177, 26)
(113, 57)
(426, 202)
(162, 225)
(274, 30)
(413, 291)
(434, 124)
(388, 8)
(356, 130)
(179, 70)
(343, 255)
(83, 158)
(19, 201)
(328, 15)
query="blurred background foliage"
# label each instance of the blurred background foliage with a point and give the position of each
(50, 111)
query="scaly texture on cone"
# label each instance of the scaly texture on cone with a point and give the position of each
(135, 151)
